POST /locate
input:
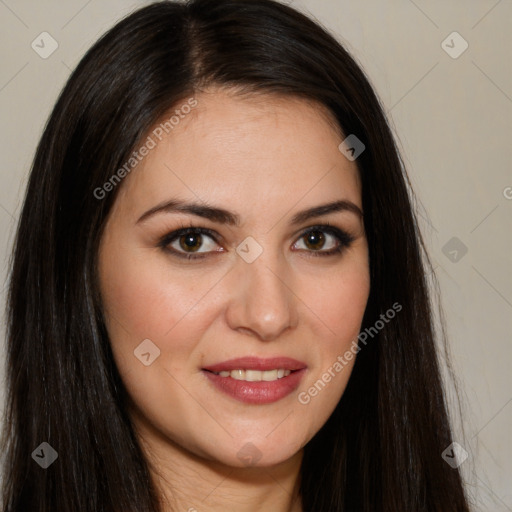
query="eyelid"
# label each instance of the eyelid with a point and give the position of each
(329, 228)
(169, 237)
(344, 238)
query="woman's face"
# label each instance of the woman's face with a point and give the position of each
(267, 284)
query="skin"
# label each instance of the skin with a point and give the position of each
(265, 158)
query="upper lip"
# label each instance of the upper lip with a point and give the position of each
(257, 363)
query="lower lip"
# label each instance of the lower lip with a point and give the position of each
(262, 392)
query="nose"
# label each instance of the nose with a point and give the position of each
(263, 304)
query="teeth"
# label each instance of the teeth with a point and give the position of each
(255, 375)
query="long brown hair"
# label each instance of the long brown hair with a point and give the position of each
(381, 448)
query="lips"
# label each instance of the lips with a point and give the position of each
(256, 363)
(271, 388)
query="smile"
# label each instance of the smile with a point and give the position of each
(255, 375)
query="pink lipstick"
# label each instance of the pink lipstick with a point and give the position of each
(255, 380)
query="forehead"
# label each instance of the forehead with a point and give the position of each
(257, 150)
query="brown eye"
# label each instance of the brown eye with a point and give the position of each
(314, 240)
(191, 242)
(317, 238)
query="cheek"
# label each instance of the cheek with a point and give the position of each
(340, 303)
(138, 303)
(139, 292)
(145, 297)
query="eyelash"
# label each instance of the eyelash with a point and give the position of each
(344, 239)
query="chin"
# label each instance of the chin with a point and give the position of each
(257, 454)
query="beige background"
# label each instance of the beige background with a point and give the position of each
(453, 119)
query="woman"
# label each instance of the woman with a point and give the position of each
(218, 299)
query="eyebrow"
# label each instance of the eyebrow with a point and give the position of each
(223, 216)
